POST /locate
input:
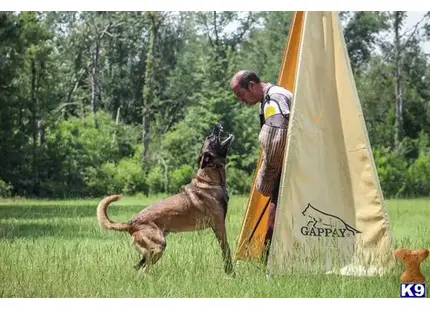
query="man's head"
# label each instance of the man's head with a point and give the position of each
(247, 87)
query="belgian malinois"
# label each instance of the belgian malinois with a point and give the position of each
(199, 205)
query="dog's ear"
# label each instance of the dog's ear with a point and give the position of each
(204, 159)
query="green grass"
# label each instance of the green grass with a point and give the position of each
(56, 249)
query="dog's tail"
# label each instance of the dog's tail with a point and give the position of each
(103, 219)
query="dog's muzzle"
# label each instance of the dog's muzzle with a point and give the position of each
(220, 140)
(215, 149)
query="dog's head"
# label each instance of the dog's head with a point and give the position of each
(215, 148)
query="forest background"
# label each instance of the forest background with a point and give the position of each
(94, 103)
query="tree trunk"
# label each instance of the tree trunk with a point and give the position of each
(148, 88)
(95, 91)
(34, 127)
(116, 125)
(166, 174)
(398, 86)
(145, 136)
(41, 134)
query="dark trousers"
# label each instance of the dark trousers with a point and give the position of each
(271, 219)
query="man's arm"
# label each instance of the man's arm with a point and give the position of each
(273, 138)
(273, 141)
(279, 104)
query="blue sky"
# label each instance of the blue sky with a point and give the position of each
(413, 18)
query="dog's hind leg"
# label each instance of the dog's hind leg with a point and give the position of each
(153, 255)
(142, 261)
(146, 258)
(151, 243)
(140, 243)
(157, 246)
(156, 255)
(220, 232)
(156, 242)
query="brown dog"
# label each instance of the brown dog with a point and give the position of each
(199, 205)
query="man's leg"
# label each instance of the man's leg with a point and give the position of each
(271, 220)
(269, 231)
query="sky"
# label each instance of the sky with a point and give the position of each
(413, 18)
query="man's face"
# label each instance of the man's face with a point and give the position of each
(247, 96)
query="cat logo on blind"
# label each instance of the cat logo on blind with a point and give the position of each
(321, 224)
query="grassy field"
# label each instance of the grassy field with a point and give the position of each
(56, 249)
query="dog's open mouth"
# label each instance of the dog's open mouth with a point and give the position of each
(220, 139)
(215, 148)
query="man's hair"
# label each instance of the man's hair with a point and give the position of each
(247, 77)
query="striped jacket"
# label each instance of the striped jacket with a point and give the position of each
(274, 116)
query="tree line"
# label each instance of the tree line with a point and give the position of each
(93, 103)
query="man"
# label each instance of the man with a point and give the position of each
(274, 116)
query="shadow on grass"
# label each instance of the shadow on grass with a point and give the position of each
(35, 211)
(12, 232)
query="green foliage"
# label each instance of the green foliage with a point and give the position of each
(264, 49)
(239, 181)
(125, 177)
(83, 154)
(163, 78)
(419, 177)
(405, 173)
(361, 32)
(180, 176)
(392, 171)
(5, 189)
(154, 180)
